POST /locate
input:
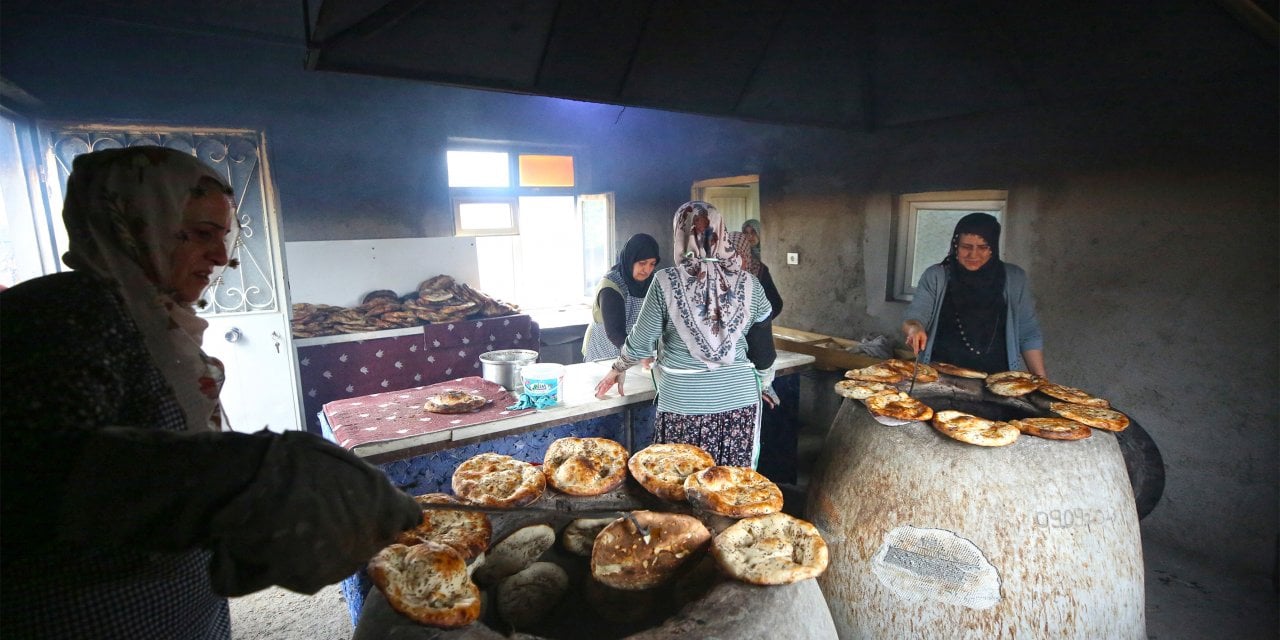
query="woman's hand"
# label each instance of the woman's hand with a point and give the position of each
(613, 377)
(917, 338)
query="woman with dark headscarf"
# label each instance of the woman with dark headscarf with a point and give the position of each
(707, 322)
(618, 298)
(751, 236)
(975, 310)
(129, 510)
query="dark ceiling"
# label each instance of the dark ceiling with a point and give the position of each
(854, 64)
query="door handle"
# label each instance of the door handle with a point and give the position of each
(233, 335)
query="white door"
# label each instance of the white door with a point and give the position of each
(737, 198)
(247, 310)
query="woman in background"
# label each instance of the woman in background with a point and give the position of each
(973, 309)
(751, 234)
(129, 510)
(706, 321)
(618, 298)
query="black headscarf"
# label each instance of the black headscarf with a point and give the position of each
(975, 299)
(982, 288)
(641, 246)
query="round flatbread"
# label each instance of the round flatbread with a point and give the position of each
(771, 550)
(924, 373)
(1052, 428)
(735, 492)
(876, 373)
(585, 466)
(860, 390)
(1013, 383)
(971, 429)
(958, 371)
(662, 468)
(513, 553)
(1072, 395)
(1096, 417)
(427, 583)
(898, 406)
(454, 401)
(579, 536)
(623, 559)
(495, 480)
(467, 532)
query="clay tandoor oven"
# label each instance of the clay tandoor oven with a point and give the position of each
(931, 537)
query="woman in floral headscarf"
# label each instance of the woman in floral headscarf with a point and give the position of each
(706, 321)
(129, 511)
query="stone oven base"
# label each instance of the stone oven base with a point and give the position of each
(730, 610)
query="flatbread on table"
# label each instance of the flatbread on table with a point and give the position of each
(1072, 395)
(972, 429)
(662, 468)
(496, 480)
(1053, 428)
(958, 371)
(454, 401)
(585, 466)
(1096, 417)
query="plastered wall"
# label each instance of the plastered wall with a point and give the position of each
(1149, 230)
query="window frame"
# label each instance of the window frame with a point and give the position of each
(460, 230)
(513, 193)
(908, 208)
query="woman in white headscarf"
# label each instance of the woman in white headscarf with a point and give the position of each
(706, 321)
(130, 512)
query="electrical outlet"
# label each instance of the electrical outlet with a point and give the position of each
(793, 258)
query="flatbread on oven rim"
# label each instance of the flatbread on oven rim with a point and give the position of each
(1096, 417)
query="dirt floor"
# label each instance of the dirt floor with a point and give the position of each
(279, 614)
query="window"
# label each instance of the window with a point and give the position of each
(539, 243)
(924, 226)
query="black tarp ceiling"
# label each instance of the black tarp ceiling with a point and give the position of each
(856, 64)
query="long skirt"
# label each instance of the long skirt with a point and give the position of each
(729, 436)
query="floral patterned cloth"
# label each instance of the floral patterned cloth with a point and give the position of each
(707, 293)
(729, 436)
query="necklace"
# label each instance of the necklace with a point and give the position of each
(965, 337)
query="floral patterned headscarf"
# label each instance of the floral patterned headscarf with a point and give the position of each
(124, 216)
(707, 293)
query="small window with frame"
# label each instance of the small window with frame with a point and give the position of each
(480, 216)
(925, 222)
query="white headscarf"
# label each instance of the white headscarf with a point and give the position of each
(707, 294)
(124, 216)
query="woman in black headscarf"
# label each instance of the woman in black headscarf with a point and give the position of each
(618, 298)
(974, 310)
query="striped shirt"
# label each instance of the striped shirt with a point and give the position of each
(685, 384)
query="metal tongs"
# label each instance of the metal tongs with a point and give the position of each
(641, 529)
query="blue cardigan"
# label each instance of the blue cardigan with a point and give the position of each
(1023, 333)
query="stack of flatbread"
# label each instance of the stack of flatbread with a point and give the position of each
(437, 300)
